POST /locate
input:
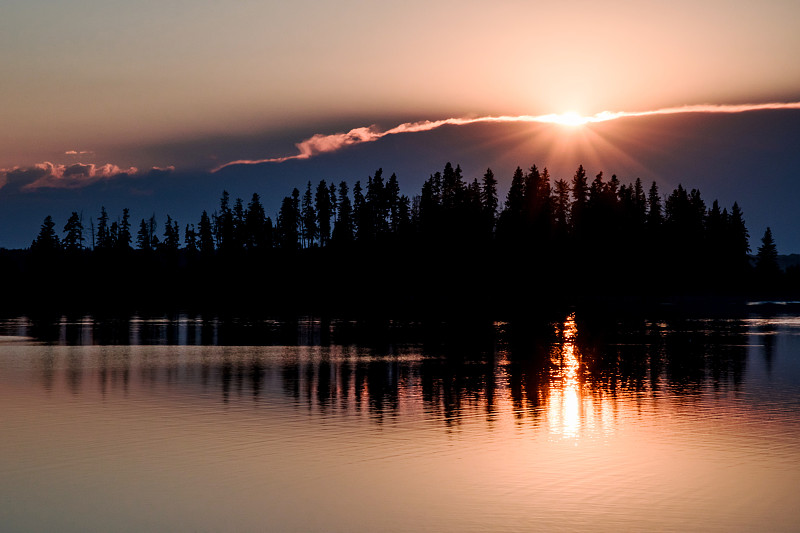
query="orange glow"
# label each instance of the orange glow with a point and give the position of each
(570, 118)
(564, 408)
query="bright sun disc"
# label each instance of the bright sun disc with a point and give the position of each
(570, 118)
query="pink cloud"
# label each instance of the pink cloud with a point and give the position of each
(321, 143)
(51, 175)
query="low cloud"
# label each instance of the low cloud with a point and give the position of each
(322, 143)
(162, 170)
(57, 176)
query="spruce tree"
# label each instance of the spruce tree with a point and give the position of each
(47, 240)
(489, 197)
(124, 232)
(205, 235)
(767, 258)
(309, 219)
(323, 205)
(73, 241)
(343, 228)
(143, 236)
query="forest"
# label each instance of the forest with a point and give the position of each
(454, 247)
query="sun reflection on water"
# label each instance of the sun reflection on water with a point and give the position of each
(564, 406)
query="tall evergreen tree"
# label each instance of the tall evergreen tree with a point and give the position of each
(334, 201)
(257, 235)
(172, 236)
(323, 205)
(452, 187)
(113, 235)
(393, 202)
(223, 224)
(288, 223)
(515, 199)
(489, 197)
(143, 236)
(377, 210)
(205, 235)
(343, 229)
(73, 241)
(360, 229)
(580, 193)
(155, 244)
(103, 235)
(309, 219)
(47, 240)
(655, 215)
(561, 205)
(124, 232)
(190, 239)
(639, 202)
(767, 267)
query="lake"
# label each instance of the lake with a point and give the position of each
(189, 423)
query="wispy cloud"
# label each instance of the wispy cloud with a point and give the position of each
(322, 143)
(57, 176)
(49, 175)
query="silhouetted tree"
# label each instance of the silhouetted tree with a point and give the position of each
(288, 223)
(113, 235)
(73, 241)
(239, 225)
(47, 240)
(561, 205)
(392, 194)
(103, 234)
(639, 203)
(360, 216)
(334, 202)
(143, 236)
(205, 235)
(655, 215)
(190, 239)
(257, 234)
(740, 233)
(223, 224)
(767, 267)
(343, 228)
(489, 199)
(151, 230)
(376, 207)
(123, 241)
(308, 219)
(580, 193)
(172, 237)
(324, 207)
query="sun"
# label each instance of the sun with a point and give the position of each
(570, 118)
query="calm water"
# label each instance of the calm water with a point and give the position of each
(184, 424)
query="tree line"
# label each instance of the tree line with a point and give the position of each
(551, 238)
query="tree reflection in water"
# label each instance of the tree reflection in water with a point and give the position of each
(574, 372)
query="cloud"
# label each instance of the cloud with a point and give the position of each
(159, 172)
(76, 152)
(166, 170)
(322, 143)
(51, 175)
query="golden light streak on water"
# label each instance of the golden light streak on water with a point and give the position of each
(564, 407)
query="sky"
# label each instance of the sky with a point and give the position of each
(95, 91)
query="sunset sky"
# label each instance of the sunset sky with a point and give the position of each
(188, 86)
